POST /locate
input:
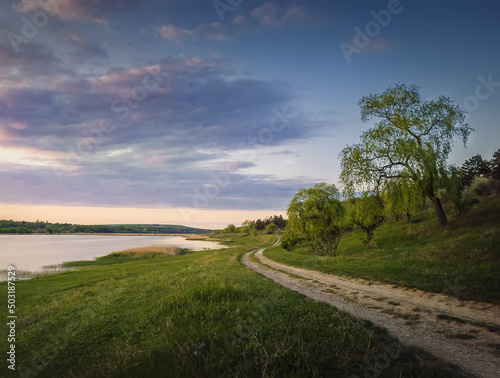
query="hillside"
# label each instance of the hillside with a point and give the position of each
(462, 260)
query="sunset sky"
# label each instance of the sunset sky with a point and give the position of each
(205, 113)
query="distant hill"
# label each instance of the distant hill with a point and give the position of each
(24, 227)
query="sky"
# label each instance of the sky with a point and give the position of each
(205, 113)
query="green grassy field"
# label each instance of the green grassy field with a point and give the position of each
(192, 315)
(459, 261)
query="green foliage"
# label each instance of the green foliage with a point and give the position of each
(248, 226)
(463, 205)
(202, 314)
(230, 229)
(495, 166)
(368, 214)
(317, 215)
(481, 186)
(402, 198)
(271, 228)
(10, 226)
(276, 219)
(474, 167)
(289, 240)
(420, 255)
(275, 222)
(411, 142)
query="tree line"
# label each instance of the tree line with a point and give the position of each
(398, 166)
(252, 227)
(44, 227)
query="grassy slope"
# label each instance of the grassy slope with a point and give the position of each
(198, 314)
(460, 261)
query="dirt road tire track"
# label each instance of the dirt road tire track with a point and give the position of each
(463, 333)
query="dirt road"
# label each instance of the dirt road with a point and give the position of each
(464, 333)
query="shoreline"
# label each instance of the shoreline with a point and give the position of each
(51, 269)
(201, 237)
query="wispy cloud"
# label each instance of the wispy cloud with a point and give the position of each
(272, 14)
(82, 10)
(213, 31)
(172, 33)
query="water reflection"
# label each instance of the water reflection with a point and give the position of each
(42, 254)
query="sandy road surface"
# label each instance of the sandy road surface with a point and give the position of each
(464, 333)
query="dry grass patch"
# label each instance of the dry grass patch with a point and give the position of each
(152, 251)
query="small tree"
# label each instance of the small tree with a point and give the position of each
(495, 166)
(248, 226)
(230, 229)
(316, 214)
(368, 214)
(271, 228)
(289, 240)
(476, 166)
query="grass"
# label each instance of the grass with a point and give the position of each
(459, 261)
(151, 251)
(196, 314)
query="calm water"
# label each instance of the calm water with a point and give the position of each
(33, 252)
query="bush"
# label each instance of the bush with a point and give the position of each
(271, 228)
(463, 206)
(368, 214)
(289, 240)
(481, 186)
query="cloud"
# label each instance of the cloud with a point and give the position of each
(239, 19)
(213, 31)
(82, 10)
(267, 13)
(271, 14)
(33, 60)
(123, 183)
(85, 49)
(172, 33)
(199, 102)
(171, 124)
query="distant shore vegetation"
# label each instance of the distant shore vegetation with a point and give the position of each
(44, 227)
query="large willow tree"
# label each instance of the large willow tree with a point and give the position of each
(410, 143)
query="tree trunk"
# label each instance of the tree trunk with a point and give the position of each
(443, 221)
(408, 218)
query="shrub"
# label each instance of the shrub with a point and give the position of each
(463, 206)
(271, 228)
(151, 251)
(289, 240)
(368, 214)
(481, 186)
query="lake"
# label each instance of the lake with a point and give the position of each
(33, 252)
